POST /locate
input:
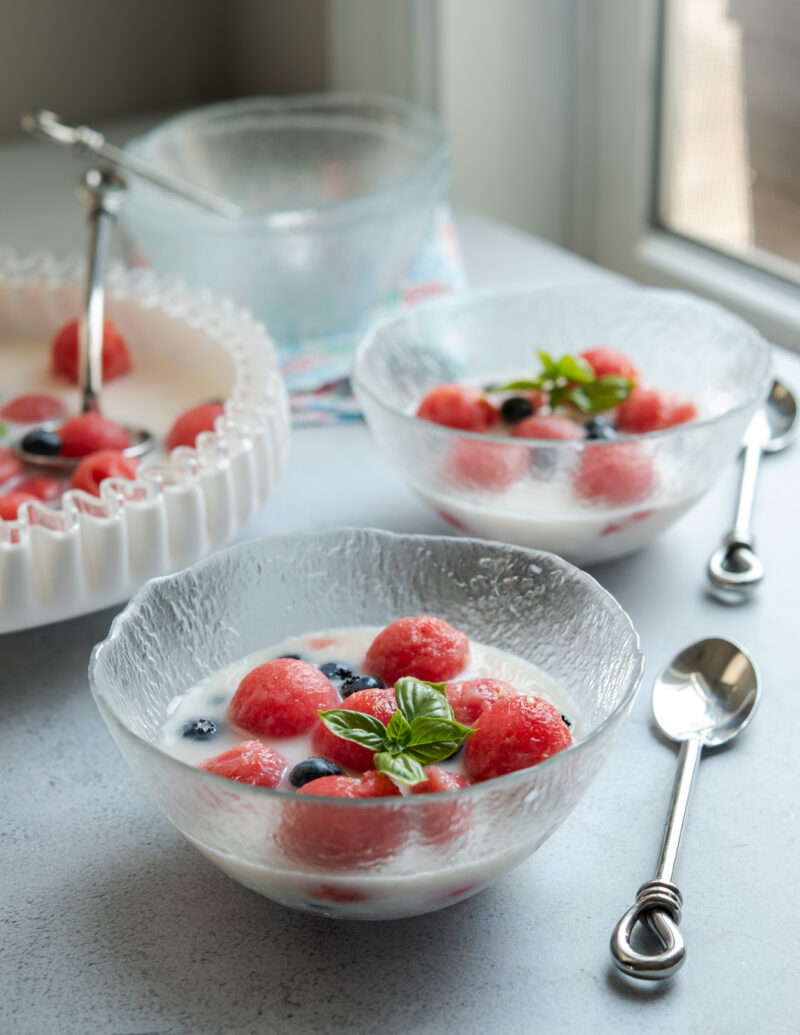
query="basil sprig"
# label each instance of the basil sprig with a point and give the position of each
(571, 379)
(421, 731)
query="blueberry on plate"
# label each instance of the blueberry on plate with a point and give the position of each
(291, 657)
(333, 670)
(42, 442)
(200, 729)
(599, 429)
(354, 683)
(313, 769)
(516, 409)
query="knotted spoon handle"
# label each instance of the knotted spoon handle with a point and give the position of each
(658, 902)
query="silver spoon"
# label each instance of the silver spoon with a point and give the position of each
(86, 141)
(703, 698)
(103, 193)
(734, 569)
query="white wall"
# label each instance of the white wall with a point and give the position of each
(504, 93)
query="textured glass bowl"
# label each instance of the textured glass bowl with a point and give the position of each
(338, 192)
(522, 490)
(378, 858)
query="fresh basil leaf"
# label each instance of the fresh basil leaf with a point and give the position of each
(427, 753)
(575, 369)
(398, 731)
(581, 398)
(361, 729)
(416, 698)
(601, 394)
(401, 768)
(549, 364)
(425, 730)
(514, 386)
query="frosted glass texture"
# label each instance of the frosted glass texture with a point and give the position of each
(375, 858)
(338, 192)
(678, 342)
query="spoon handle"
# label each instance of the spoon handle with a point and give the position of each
(658, 902)
(742, 531)
(103, 193)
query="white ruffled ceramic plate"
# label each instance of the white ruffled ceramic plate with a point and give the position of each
(186, 346)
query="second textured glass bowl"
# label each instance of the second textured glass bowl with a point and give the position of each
(588, 501)
(378, 858)
(338, 192)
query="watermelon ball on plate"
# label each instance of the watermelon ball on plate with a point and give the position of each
(89, 433)
(64, 353)
(93, 470)
(192, 423)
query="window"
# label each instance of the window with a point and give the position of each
(729, 174)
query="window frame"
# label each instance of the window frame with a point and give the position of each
(617, 115)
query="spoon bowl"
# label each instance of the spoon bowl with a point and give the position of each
(709, 691)
(780, 415)
(142, 443)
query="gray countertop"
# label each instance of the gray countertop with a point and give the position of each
(111, 923)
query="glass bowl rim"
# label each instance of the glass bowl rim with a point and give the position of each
(435, 165)
(507, 780)
(361, 384)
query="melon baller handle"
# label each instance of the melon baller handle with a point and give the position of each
(103, 192)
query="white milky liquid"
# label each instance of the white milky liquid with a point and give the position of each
(209, 699)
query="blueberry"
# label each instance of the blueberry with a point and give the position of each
(313, 769)
(355, 683)
(333, 670)
(600, 429)
(291, 657)
(516, 409)
(200, 729)
(42, 442)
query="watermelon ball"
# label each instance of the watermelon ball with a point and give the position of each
(249, 762)
(33, 408)
(42, 442)
(606, 362)
(458, 406)
(493, 466)
(45, 489)
(341, 838)
(11, 502)
(514, 733)
(64, 353)
(371, 785)
(441, 822)
(10, 465)
(281, 698)
(548, 428)
(439, 780)
(91, 432)
(377, 702)
(651, 409)
(190, 424)
(420, 646)
(614, 474)
(473, 696)
(93, 470)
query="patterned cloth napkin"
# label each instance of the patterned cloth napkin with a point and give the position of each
(317, 372)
